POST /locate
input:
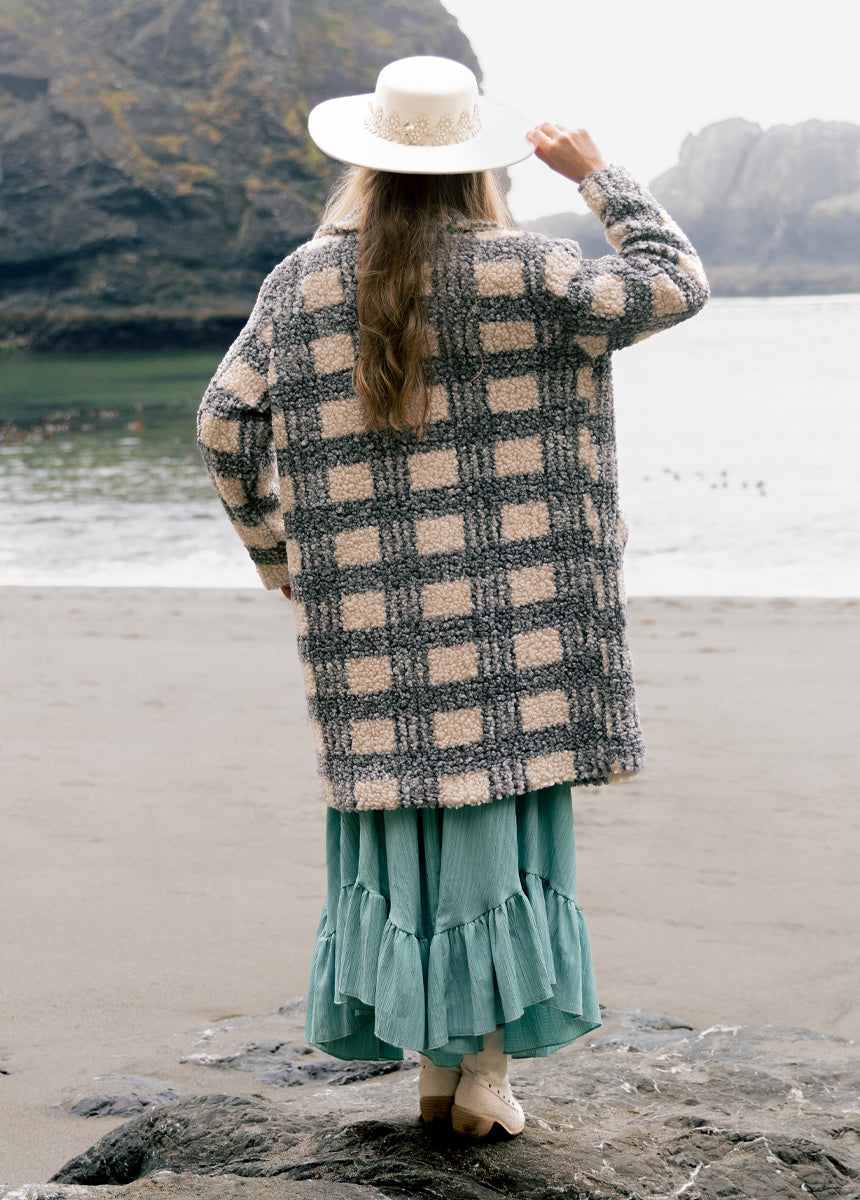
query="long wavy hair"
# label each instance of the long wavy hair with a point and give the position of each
(400, 222)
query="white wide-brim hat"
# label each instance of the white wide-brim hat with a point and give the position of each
(425, 118)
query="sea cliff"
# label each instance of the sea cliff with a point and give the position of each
(154, 157)
(771, 211)
(155, 164)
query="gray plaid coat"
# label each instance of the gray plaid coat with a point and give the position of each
(459, 601)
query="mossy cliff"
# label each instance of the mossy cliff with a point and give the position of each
(154, 158)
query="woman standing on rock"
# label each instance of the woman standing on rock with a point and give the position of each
(414, 438)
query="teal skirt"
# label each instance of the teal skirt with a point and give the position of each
(440, 924)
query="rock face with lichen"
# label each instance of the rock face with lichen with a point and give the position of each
(771, 212)
(154, 158)
(645, 1107)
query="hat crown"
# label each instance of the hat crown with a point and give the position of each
(426, 118)
(425, 101)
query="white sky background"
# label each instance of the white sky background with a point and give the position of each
(640, 77)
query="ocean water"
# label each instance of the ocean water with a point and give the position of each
(739, 434)
(739, 437)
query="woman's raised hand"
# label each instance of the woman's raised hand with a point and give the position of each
(571, 152)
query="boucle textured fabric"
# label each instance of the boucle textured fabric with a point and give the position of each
(459, 601)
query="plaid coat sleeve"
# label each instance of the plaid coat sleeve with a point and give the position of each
(653, 281)
(235, 436)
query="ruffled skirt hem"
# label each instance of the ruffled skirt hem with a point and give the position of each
(376, 989)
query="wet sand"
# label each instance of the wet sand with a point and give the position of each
(162, 840)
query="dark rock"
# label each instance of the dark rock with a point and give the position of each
(289, 1073)
(640, 1020)
(117, 1096)
(277, 1063)
(232, 1134)
(275, 1054)
(197, 1187)
(770, 211)
(154, 157)
(648, 1107)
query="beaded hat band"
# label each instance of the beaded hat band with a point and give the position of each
(419, 131)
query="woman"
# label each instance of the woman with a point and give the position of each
(414, 437)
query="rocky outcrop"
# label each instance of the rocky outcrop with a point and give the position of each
(771, 211)
(155, 164)
(154, 158)
(116, 1096)
(646, 1107)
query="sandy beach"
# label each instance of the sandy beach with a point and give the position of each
(162, 837)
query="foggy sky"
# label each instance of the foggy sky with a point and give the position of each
(641, 76)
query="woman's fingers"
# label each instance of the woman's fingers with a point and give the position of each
(541, 141)
(570, 152)
(543, 133)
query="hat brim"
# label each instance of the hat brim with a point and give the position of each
(337, 127)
